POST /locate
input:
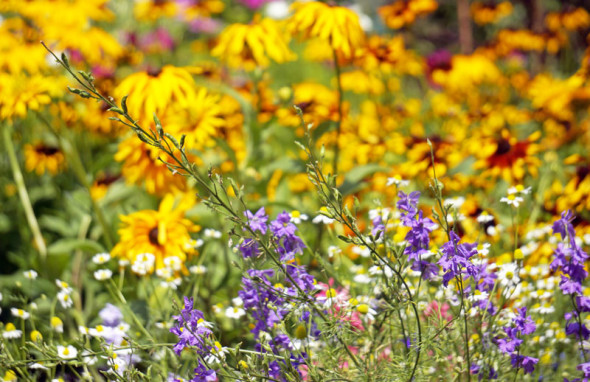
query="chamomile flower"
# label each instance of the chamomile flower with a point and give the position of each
(519, 189)
(333, 251)
(173, 262)
(508, 274)
(11, 332)
(101, 258)
(20, 313)
(398, 181)
(235, 312)
(512, 200)
(57, 324)
(103, 274)
(67, 352)
(485, 217)
(297, 217)
(143, 264)
(64, 297)
(361, 251)
(211, 233)
(323, 217)
(63, 285)
(30, 274)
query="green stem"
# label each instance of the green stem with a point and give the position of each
(22, 192)
(339, 121)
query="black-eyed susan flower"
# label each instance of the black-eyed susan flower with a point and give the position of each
(141, 166)
(161, 233)
(41, 158)
(19, 47)
(574, 192)
(192, 10)
(570, 19)
(509, 158)
(338, 26)
(154, 90)
(253, 45)
(401, 13)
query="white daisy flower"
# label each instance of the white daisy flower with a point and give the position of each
(297, 217)
(173, 262)
(30, 274)
(235, 312)
(512, 200)
(67, 352)
(485, 217)
(65, 299)
(20, 313)
(11, 332)
(101, 258)
(397, 180)
(362, 251)
(333, 251)
(519, 189)
(211, 233)
(103, 274)
(322, 217)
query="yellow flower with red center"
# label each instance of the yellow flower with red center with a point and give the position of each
(42, 158)
(338, 26)
(163, 233)
(507, 157)
(154, 91)
(253, 45)
(401, 13)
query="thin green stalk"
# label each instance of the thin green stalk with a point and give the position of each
(22, 192)
(340, 116)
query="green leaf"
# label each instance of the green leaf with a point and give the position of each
(56, 224)
(67, 246)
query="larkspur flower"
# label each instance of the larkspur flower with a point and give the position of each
(257, 221)
(189, 330)
(456, 259)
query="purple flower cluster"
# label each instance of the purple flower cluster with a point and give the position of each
(418, 237)
(283, 235)
(569, 258)
(521, 325)
(266, 303)
(191, 330)
(456, 259)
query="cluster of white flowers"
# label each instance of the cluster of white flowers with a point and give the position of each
(64, 296)
(143, 264)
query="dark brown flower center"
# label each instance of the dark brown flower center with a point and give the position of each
(153, 236)
(46, 150)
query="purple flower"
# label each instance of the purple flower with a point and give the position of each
(202, 374)
(282, 226)
(456, 259)
(408, 205)
(257, 221)
(585, 368)
(569, 286)
(527, 363)
(523, 323)
(583, 303)
(564, 227)
(190, 330)
(110, 315)
(249, 248)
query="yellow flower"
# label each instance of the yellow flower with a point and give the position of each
(152, 10)
(142, 166)
(507, 157)
(253, 45)
(40, 158)
(202, 8)
(101, 185)
(317, 102)
(390, 55)
(19, 48)
(163, 233)
(23, 93)
(155, 90)
(404, 12)
(571, 20)
(339, 26)
(489, 13)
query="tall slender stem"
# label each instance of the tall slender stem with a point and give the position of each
(340, 117)
(22, 192)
